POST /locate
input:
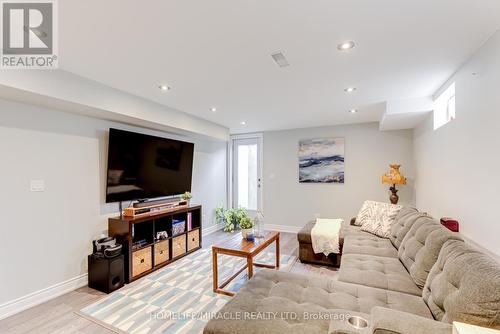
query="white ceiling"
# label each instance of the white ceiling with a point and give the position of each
(217, 53)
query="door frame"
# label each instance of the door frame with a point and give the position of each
(260, 137)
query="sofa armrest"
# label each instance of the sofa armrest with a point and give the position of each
(387, 321)
(353, 221)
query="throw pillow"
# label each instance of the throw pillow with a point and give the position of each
(373, 226)
(365, 213)
(381, 219)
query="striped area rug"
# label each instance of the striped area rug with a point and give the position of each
(175, 299)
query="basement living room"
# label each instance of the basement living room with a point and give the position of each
(224, 167)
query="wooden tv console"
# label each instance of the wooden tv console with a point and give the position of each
(154, 254)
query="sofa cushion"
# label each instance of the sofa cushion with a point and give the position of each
(402, 224)
(377, 272)
(464, 285)
(360, 244)
(275, 291)
(420, 248)
(356, 230)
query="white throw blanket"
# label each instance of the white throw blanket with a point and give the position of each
(325, 236)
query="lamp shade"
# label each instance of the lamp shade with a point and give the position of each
(394, 176)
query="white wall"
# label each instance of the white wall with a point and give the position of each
(458, 164)
(368, 153)
(46, 236)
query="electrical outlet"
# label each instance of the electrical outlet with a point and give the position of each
(37, 185)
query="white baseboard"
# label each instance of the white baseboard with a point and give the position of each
(38, 297)
(282, 228)
(211, 229)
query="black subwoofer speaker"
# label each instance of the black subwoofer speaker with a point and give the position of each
(106, 275)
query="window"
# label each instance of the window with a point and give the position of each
(444, 107)
(247, 176)
(246, 161)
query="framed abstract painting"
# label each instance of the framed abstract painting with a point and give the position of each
(321, 160)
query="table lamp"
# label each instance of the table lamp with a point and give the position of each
(394, 177)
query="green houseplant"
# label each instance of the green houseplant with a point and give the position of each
(219, 215)
(246, 223)
(232, 218)
(229, 224)
(225, 217)
(186, 196)
(246, 226)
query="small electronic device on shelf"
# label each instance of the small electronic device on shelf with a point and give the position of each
(162, 235)
(106, 247)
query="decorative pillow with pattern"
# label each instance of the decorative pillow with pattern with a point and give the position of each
(380, 219)
(365, 213)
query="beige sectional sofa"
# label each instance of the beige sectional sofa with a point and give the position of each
(418, 281)
(402, 268)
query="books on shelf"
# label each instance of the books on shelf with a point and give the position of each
(189, 221)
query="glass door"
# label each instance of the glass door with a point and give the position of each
(247, 174)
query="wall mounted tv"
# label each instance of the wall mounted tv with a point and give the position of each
(142, 167)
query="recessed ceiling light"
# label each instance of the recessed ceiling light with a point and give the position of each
(243, 123)
(353, 111)
(345, 46)
(350, 89)
(164, 87)
(213, 109)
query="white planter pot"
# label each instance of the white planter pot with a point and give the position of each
(244, 232)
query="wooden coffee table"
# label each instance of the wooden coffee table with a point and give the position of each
(237, 246)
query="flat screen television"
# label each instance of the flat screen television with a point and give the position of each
(142, 167)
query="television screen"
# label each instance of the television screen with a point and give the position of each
(143, 167)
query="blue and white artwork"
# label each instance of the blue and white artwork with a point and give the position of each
(321, 160)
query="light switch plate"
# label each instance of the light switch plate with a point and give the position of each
(37, 185)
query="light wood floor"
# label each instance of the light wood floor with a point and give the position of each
(57, 315)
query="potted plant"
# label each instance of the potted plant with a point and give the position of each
(219, 215)
(229, 223)
(225, 217)
(186, 196)
(246, 225)
(232, 218)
